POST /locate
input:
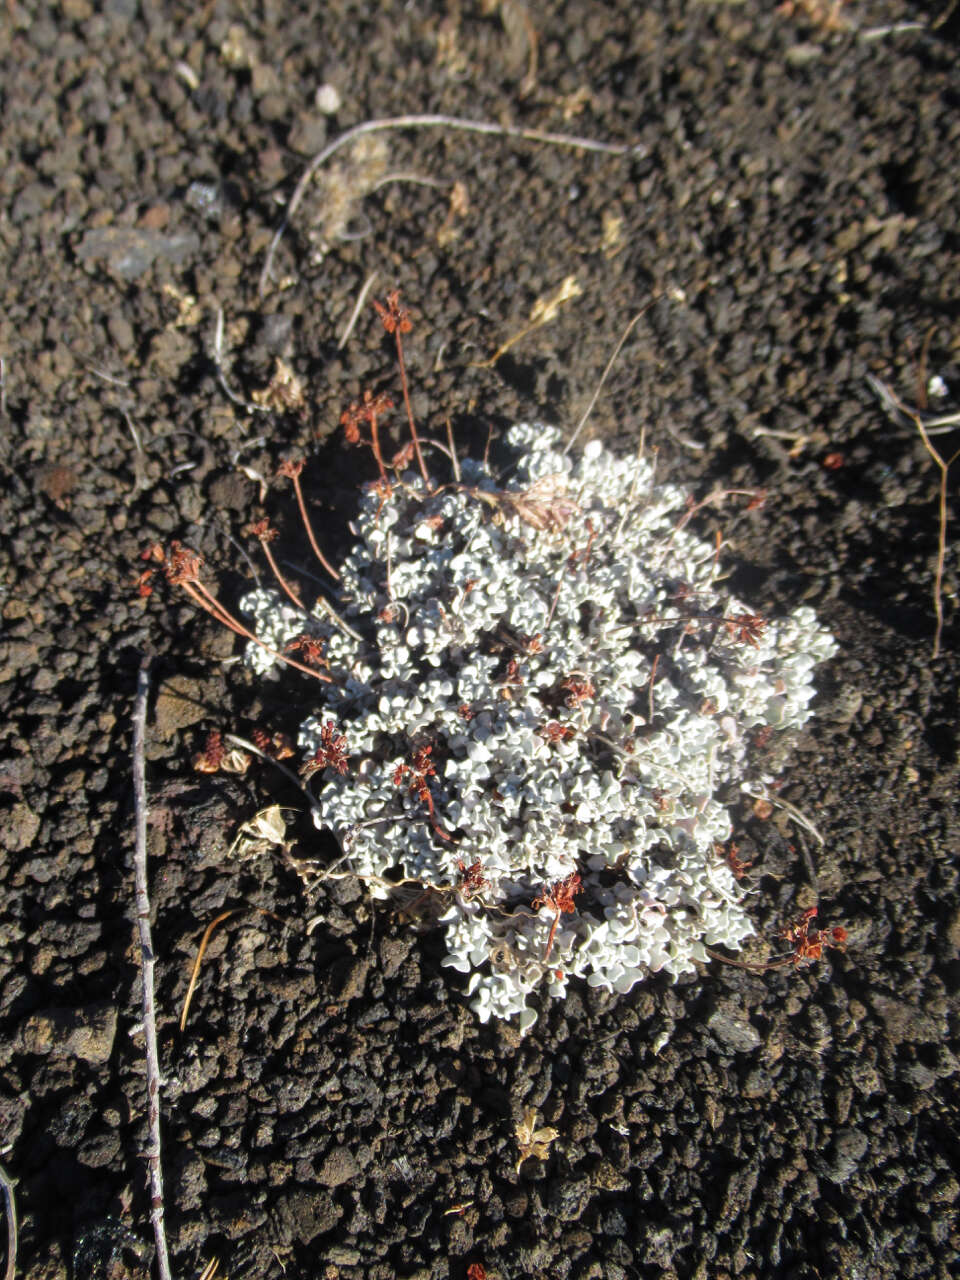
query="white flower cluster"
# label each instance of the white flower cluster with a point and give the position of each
(551, 706)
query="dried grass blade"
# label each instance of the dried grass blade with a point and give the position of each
(201, 951)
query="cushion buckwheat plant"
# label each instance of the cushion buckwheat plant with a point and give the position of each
(539, 701)
(555, 696)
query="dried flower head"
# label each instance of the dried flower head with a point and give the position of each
(808, 946)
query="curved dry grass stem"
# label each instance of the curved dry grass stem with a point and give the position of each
(424, 122)
(606, 373)
(246, 745)
(201, 952)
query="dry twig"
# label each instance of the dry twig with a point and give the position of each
(146, 969)
(423, 122)
(8, 1184)
(943, 465)
(927, 428)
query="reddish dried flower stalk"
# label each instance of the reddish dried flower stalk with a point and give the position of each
(758, 501)
(265, 534)
(396, 320)
(420, 769)
(367, 411)
(182, 569)
(476, 1271)
(731, 856)
(554, 731)
(559, 898)
(576, 557)
(154, 553)
(310, 648)
(331, 753)
(513, 676)
(291, 468)
(402, 458)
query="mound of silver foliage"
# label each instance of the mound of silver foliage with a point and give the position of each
(550, 710)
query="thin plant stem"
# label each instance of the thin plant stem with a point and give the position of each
(406, 401)
(603, 377)
(943, 466)
(375, 437)
(201, 596)
(146, 971)
(221, 375)
(284, 584)
(309, 528)
(324, 605)
(550, 938)
(424, 122)
(201, 952)
(453, 452)
(653, 676)
(245, 745)
(355, 314)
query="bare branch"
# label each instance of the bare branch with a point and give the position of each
(8, 1184)
(146, 970)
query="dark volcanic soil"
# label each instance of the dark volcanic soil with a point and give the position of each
(789, 217)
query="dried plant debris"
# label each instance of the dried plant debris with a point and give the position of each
(531, 1140)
